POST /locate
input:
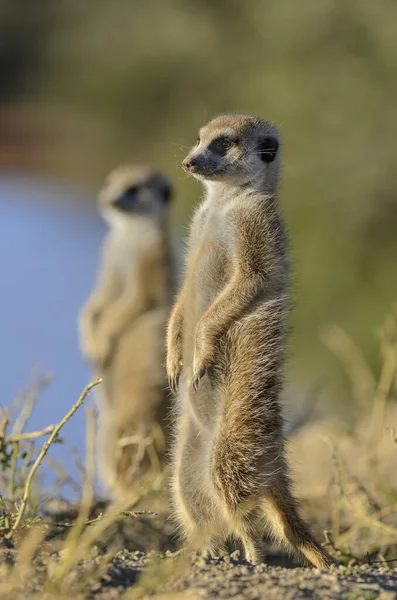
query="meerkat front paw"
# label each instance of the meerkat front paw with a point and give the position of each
(87, 347)
(199, 370)
(100, 351)
(174, 370)
(203, 356)
(174, 351)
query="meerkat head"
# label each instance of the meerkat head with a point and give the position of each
(132, 192)
(236, 149)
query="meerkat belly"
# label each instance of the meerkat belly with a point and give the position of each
(208, 277)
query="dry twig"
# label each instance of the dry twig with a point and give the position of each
(44, 451)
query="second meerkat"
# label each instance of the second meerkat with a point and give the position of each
(122, 324)
(226, 343)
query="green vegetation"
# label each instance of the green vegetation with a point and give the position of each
(101, 82)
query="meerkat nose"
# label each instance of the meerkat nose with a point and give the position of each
(189, 164)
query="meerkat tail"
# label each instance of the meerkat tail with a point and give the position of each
(290, 529)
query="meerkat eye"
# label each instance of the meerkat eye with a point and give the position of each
(131, 191)
(267, 149)
(221, 145)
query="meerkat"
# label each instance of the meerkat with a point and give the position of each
(122, 325)
(225, 350)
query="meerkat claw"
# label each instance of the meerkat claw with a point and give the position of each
(173, 383)
(197, 377)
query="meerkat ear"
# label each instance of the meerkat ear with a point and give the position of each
(161, 185)
(267, 149)
(167, 193)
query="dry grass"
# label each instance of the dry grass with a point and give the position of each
(363, 523)
(364, 505)
(23, 531)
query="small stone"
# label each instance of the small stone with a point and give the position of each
(201, 562)
(235, 555)
(96, 586)
(370, 586)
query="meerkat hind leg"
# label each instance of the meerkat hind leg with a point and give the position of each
(288, 526)
(193, 505)
(213, 547)
(199, 535)
(248, 527)
(253, 546)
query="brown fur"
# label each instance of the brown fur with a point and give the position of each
(226, 341)
(122, 327)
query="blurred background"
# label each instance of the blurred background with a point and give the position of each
(87, 85)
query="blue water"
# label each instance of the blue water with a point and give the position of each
(49, 243)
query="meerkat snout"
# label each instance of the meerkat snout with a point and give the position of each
(189, 164)
(208, 160)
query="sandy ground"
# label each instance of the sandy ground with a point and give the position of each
(231, 578)
(133, 574)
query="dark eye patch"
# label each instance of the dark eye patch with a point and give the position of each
(267, 149)
(128, 200)
(221, 145)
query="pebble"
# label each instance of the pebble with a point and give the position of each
(369, 586)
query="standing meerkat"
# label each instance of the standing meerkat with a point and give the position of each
(226, 344)
(122, 325)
